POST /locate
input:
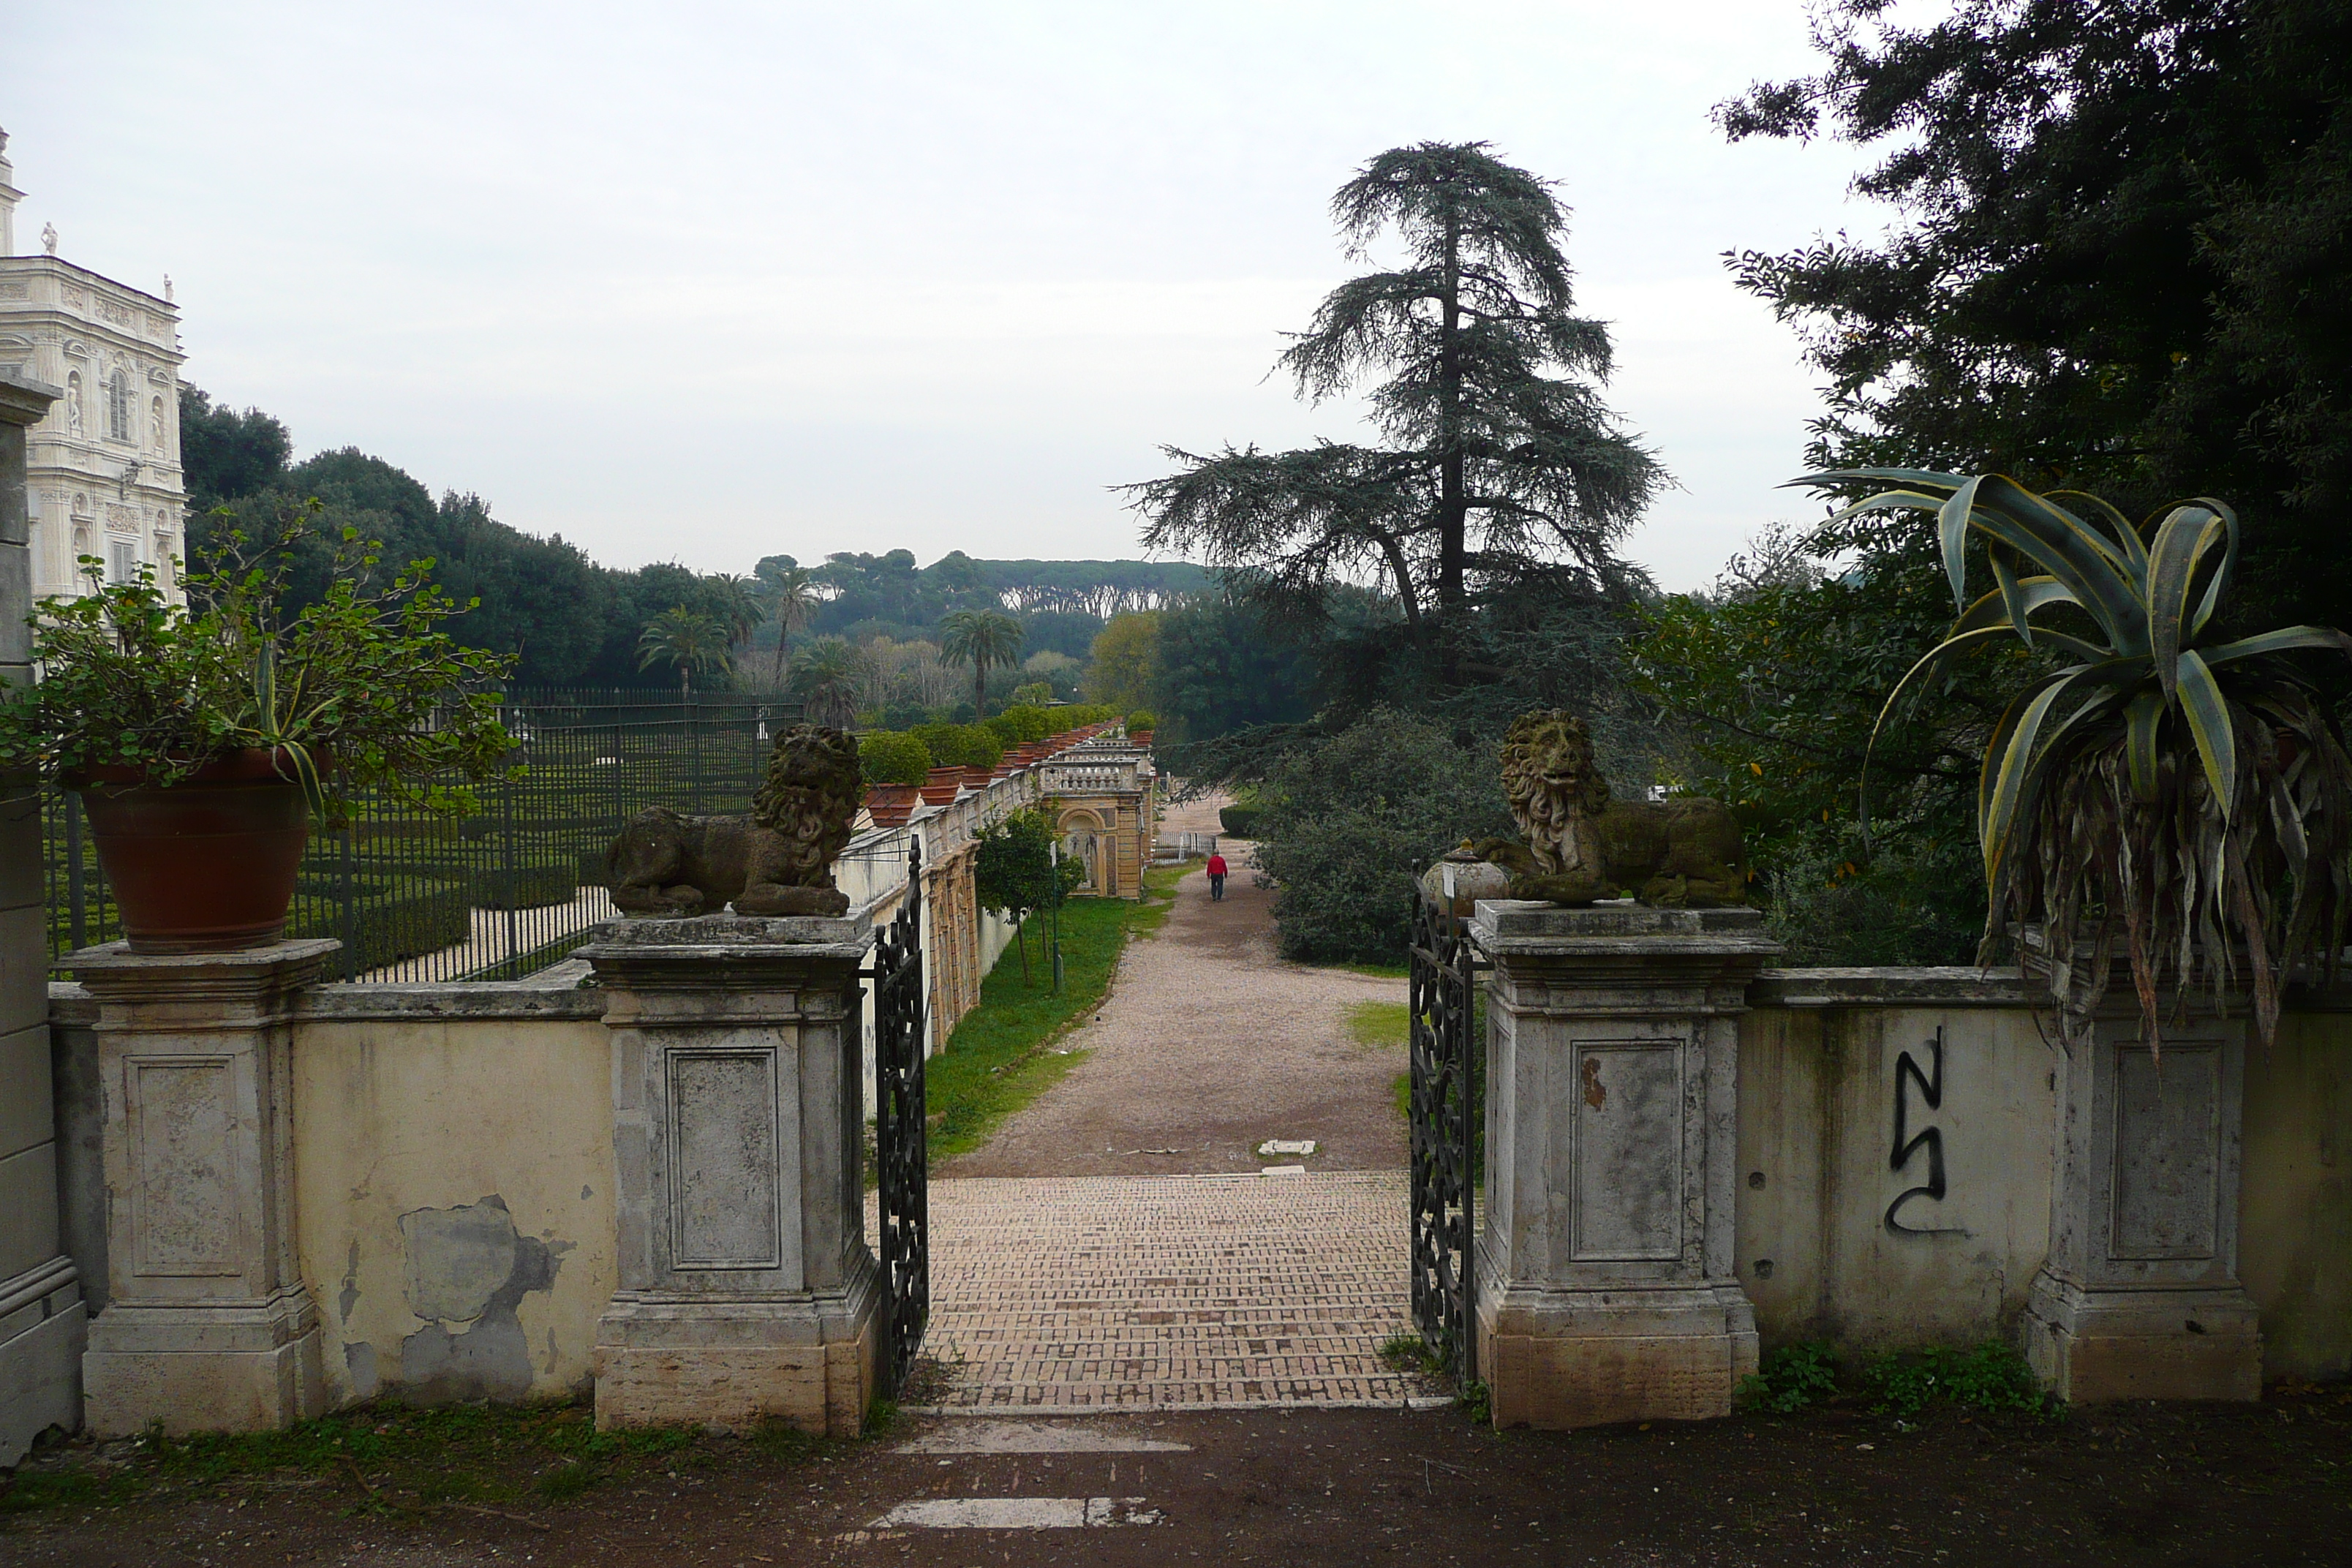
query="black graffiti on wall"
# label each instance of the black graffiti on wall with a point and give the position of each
(1907, 1143)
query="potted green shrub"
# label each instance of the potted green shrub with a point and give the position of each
(1140, 724)
(2161, 789)
(205, 738)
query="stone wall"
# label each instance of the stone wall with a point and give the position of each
(454, 1201)
(1839, 1238)
(41, 1311)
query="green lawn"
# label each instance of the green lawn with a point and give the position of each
(1002, 1056)
(1378, 1023)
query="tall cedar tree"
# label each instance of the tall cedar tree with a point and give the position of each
(1495, 471)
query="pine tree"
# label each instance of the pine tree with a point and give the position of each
(1503, 467)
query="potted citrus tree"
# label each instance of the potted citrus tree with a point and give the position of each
(205, 738)
(2164, 791)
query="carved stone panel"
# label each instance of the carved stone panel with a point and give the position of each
(1629, 1149)
(2167, 1152)
(184, 1197)
(725, 1208)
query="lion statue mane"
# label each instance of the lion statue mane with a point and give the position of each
(1581, 847)
(776, 861)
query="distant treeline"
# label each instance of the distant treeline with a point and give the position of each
(575, 623)
(1061, 604)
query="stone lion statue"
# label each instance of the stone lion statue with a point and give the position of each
(776, 861)
(1581, 847)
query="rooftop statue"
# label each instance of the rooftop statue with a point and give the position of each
(778, 861)
(1581, 847)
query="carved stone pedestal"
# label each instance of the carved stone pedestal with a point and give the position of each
(2139, 1296)
(747, 1291)
(1606, 1289)
(207, 1325)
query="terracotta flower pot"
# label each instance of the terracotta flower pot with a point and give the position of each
(206, 864)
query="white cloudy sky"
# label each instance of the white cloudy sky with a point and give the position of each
(706, 281)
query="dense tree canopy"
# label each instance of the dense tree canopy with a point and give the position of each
(2125, 265)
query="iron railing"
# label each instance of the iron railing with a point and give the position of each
(414, 897)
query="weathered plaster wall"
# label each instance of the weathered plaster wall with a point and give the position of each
(1822, 1066)
(2294, 1199)
(1818, 1169)
(453, 1197)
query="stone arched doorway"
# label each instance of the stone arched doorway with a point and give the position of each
(1087, 840)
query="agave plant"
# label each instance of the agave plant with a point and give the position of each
(2189, 796)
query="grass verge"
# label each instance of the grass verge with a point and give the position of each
(1382, 1024)
(1001, 1055)
(398, 1461)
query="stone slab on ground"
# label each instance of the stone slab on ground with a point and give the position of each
(1164, 1292)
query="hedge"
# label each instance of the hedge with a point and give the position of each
(894, 757)
(1142, 719)
(960, 746)
(386, 930)
(1239, 821)
(535, 886)
(1020, 724)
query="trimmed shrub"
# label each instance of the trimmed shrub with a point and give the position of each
(1350, 823)
(535, 886)
(1241, 821)
(1021, 723)
(387, 930)
(960, 746)
(1142, 719)
(894, 757)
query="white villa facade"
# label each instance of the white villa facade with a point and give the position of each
(102, 470)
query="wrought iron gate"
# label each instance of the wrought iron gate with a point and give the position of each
(1444, 1116)
(898, 1152)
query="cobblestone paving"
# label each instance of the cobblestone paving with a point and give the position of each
(1169, 1292)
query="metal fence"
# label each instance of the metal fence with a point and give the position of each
(414, 897)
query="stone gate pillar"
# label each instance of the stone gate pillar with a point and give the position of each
(41, 1320)
(208, 1324)
(2138, 1297)
(747, 1290)
(1605, 1281)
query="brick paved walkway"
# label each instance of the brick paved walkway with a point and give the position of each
(1169, 1292)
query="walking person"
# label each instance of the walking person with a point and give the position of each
(1216, 878)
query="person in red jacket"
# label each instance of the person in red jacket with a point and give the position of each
(1216, 878)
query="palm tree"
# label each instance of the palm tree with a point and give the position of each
(983, 639)
(826, 678)
(788, 598)
(685, 639)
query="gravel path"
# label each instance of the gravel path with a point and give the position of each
(1207, 1045)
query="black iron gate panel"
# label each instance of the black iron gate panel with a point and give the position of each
(1444, 1116)
(898, 1152)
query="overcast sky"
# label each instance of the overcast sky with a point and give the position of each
(705, 282)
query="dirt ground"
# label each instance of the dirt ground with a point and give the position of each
(2268, 1484)
(1208, 1045)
